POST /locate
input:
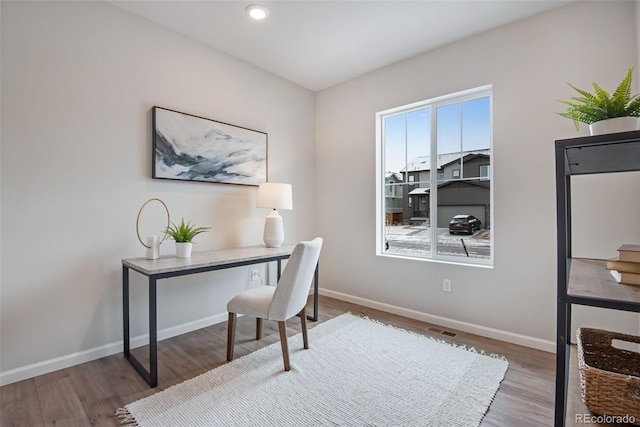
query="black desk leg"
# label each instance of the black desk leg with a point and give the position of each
(125, 310)
(153, 333)
(151, 377)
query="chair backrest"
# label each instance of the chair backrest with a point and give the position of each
(293, 287)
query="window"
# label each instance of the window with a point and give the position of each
(484, 171)
(440, 150)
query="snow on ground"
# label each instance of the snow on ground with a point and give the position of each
(415, 240)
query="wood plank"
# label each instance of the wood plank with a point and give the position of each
(59, 400)
(20, 405)
(95, 391)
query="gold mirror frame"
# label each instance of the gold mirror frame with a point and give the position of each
(138, 221)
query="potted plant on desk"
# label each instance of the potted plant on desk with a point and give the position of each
(183, 234)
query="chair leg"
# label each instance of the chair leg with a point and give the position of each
(283, 342)
(303, 320)
(231, 334)
(258, 328)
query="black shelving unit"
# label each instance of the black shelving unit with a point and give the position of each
(586, 282)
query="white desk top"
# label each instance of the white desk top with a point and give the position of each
(171, 263)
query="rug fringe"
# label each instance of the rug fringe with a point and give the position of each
(126, 418)
(441, 341)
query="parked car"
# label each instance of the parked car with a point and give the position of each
(467, 223)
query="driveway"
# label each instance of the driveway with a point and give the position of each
(415, 240)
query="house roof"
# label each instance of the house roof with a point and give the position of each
(419, 191)
(423, 163)
(395, 175)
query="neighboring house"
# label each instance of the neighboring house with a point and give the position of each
(463, 187)
(393, 197)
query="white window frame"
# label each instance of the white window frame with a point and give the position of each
(434, 103)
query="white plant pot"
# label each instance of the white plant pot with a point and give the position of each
(615, 125)
(183, 250)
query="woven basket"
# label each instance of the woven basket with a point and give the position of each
(609, 376)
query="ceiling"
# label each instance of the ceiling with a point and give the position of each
(318, 44)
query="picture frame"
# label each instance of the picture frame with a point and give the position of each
(193, 148)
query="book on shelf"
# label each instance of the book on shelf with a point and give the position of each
(626, 278)
(623, 266)
(629, 253)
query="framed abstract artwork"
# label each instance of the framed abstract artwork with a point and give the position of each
(192, 148)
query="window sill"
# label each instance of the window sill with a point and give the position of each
(481, 264)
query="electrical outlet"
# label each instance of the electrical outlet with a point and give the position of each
(255, 275)
(446, 285)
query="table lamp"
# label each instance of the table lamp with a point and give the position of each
(274, 196)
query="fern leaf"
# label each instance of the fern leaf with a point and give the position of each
(633, 109)
(588, 95)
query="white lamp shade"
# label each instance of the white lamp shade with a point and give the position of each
(275, 196)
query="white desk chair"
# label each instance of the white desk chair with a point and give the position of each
(279, 302)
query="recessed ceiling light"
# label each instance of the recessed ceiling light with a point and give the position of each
(257, 11)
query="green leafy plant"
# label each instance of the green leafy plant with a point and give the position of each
(600, 105)
(184, 233)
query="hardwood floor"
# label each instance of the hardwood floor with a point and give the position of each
(89, 394)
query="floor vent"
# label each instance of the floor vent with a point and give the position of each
(440, 331)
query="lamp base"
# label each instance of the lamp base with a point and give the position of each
(273, 230)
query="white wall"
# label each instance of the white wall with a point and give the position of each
(637, 3)
(78, 82)
(528, 63)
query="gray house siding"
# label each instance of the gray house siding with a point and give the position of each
(464, 197)
(463, 193)
(470, 168)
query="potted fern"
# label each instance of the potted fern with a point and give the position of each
(605, 112)
(183, 234)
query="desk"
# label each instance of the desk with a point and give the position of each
(199, 262)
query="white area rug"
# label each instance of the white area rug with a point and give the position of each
(357, 372)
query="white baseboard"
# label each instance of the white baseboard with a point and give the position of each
(524, 340)
(66, 361)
